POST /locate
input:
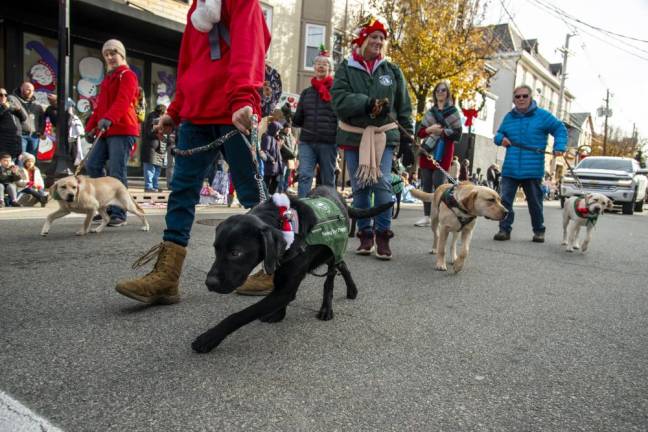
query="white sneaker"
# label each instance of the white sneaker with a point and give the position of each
(423, 222)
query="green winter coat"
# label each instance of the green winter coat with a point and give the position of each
(352, 89)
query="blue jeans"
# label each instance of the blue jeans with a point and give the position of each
(115, 150)
(30, 143)
(382, 190)
(533, 190)
(189, 172)
(151, 175)
(311, 154)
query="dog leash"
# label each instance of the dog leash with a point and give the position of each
(79, 167)
(252, 144)
(541, 151)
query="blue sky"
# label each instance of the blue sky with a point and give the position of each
(594, 64)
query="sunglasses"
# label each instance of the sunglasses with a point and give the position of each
(522, 96)
(4, 94)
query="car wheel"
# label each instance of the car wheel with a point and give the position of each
(562, 202)
(639, 206)
(628, 208)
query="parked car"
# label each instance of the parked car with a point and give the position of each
(620, 179)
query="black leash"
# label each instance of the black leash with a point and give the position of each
(252, 144)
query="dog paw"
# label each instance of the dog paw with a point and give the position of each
(205, 343)
(80, 233)
(576, 246)
(441, 267)
(145, 228)
(432, 251)
(584, 247)
(458, 265)
(569, 249)
(44, 234)
(325, 314)
(563, 243)
(352, 293)
(274, 317)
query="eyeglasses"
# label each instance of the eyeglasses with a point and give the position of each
(521, 96)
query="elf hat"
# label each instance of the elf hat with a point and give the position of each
(371, 24)
(324, 55)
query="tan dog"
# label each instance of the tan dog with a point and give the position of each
(581, 212)
(81, 194)
(455, 209)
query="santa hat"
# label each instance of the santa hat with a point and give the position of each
(288, 217)
(371, 24)
(206, 14)
(324, 55)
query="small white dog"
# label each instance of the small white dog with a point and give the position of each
(581, 212)
(81, 194)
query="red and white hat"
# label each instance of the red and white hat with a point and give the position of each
(289, 220)
(371, 24)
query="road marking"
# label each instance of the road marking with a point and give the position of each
(16, 417)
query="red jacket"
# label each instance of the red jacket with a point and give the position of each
(116, 102)
(209, 91)
(446, 159)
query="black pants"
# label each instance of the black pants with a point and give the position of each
(430, 180)
(272, 182)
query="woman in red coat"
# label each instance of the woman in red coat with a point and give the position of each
(115, 118)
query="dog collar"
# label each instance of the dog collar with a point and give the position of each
(449, 200)
(584, 212)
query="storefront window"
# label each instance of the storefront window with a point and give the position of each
(40, 65)
(163, 84)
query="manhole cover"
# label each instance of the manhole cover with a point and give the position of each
(210, 222)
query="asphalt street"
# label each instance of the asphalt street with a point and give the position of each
(527, 337)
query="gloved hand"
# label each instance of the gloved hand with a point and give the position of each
(90, 136)
(104, 124)
(378, 107)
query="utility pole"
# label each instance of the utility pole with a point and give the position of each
(563, 76)
(607, 114)
(62, 164)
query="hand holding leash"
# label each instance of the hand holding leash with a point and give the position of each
(242, 119)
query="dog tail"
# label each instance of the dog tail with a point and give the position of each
(423, 196)
(355, 213)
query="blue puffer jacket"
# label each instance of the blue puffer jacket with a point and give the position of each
(529, 129)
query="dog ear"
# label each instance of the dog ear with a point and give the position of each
(469, 202)
(274, 246)
(53, 191)
(610, 204)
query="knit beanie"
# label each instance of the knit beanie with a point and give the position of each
(114, 45)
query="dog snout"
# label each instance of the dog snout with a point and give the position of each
(69, 198)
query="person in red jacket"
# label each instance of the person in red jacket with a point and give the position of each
(115, 116)
(220, 72)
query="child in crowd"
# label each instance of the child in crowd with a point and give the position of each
(9, 176)
(31, 180)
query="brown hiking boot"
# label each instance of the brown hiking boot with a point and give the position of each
(160, 286)
(382, 244)
(259, 284)
(366, 242)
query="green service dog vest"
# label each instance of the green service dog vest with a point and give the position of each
(331, 229)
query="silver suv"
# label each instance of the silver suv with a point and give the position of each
(620, 179)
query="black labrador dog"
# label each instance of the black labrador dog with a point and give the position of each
(243, 241)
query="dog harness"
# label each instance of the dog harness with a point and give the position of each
(331, 229)
(584, 212)
(449, 200)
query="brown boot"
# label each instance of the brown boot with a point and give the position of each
(259, 284)
(366, 242)
(382, 244)
(160, 286)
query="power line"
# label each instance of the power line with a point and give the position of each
(512, 19)
(609, 32)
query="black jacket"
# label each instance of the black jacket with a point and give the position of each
(11, 130)
(316, 118)
(35, 114)
(153, 150)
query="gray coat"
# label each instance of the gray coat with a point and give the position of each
(153, 149)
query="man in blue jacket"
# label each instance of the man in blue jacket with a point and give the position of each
(524, 133)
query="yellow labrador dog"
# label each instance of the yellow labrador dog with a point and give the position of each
(581, 212)
(455, 210)
(81, 194)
